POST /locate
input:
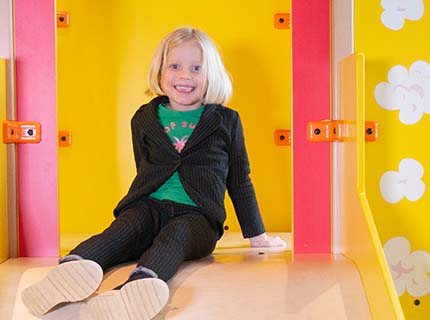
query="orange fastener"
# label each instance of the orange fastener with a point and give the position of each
(321, 131)
(338, 130)
(64, 138)
(282, 20)
(63, 19)
(282, 137)
(371, 133)
(21, 132)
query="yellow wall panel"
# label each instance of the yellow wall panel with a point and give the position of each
(397, 172)
(102, 65)
(4, 245)
(359, 239)
(88, 170)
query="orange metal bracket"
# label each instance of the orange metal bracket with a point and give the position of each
(371, 128)
(282, 137)
(338, 131)
(63, 19)
(282, 20)
(21, 132)
(64, 138)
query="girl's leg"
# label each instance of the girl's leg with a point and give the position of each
(124, 240)
(185, 237)
(188, 236)
(79, 274)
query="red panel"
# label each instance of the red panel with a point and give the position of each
(311, 102)
(36, 101)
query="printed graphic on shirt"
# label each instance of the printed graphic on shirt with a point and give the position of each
(180, 144)
(184, 124)
(179, 141)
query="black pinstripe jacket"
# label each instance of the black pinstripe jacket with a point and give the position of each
(213, 160)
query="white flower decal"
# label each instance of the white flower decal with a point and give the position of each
(394, 185)
(397, 11)
(410, 271)
(407, 91)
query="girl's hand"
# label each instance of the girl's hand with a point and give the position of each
(263, 240)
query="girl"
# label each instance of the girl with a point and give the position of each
(189, 149)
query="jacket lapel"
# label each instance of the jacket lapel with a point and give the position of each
(209, 122)
(153, 128)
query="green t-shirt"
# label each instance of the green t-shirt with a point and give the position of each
(178, 125)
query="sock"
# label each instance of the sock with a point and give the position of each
(139, 273)
(70, 257)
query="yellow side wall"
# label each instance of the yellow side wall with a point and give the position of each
(397, 172)
(359, 238)
(4, 245)
(102, 63)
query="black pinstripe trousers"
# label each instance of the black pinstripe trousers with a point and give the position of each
(160, 235)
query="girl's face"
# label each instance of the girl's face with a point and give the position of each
(182, 78)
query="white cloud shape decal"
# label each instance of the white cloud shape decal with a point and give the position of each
(396, 11)
(394, 185)
(410, 271)
(407, 91)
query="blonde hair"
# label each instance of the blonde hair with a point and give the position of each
(219, 88)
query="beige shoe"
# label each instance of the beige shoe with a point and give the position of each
(67, 282)
(140, 299)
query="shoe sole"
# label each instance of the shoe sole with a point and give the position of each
(67, 282)
(138, 300)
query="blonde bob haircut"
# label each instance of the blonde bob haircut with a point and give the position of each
(219, 88)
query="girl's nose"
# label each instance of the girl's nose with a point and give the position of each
(185, 73)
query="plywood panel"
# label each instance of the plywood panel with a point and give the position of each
(4, 244)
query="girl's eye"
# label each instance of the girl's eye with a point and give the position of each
(196, 68)
(174, 66)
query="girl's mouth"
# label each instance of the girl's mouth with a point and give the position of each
(184, 89)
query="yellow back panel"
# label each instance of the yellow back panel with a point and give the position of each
(86, 73)
(102, 65)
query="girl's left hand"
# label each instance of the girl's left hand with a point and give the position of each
(263, 240)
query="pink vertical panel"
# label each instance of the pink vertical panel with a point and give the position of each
(36, 101)
(311, 102)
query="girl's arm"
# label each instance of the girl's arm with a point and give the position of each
(239, 185)
(136, 136)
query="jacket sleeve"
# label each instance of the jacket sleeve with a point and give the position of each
(137, 142)
(239, 185)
